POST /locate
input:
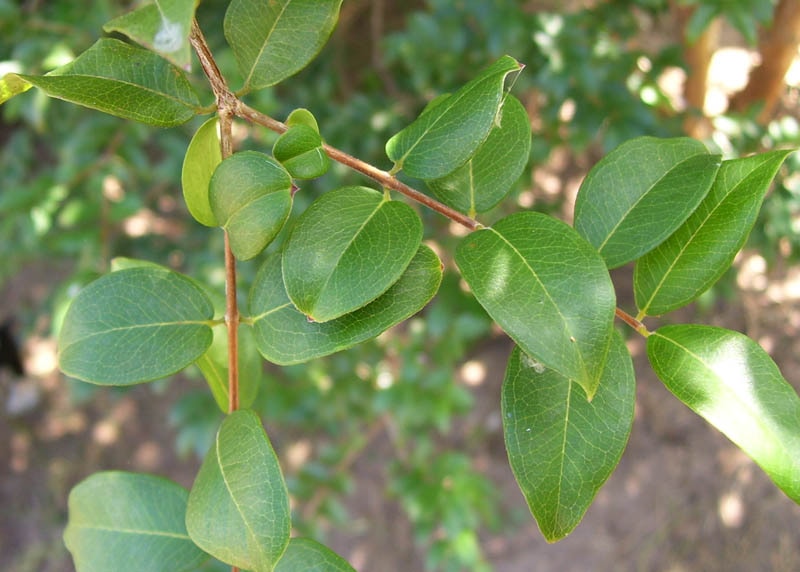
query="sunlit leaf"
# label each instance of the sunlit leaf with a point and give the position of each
(347, 249)
(285, 336)
(128, 522)
(561, 447)
(547, 288)
(202, 158)
(238, 509)
(730, 381)
(10, 85)
(134, 325)
(638, 194)
(306, 555)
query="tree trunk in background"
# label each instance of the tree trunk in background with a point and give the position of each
(778, 48)
(698, 59)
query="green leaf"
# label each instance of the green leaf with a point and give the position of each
(691, 260)
(274, 39)
(214, 366)
(486, 178)
(730, 381)
(638, 194)
(10, 85)
(202, 158)
(238, 508)
(347, 249)
(285, 336)
(547, 288)
(447, 134)
(306, 555)
(300, 151)
(561, 447)
(123, 80)
(251, 196)
(134, 325)
(129, 523)
(162, 26)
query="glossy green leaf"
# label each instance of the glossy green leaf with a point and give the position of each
(487, 176)
(285, 336)
(162, 26)
(300, 151)
(447, 134)
(347, 249)
(730, 381)
(251, 196)
(306, 555)
(214, 366)
(561, 447)
(547, 288)
(638, 194)
(123, 80)
(134, 325)
(128, 522)
(274, 39)
(702, 249)
(202, 158)
(238, 508)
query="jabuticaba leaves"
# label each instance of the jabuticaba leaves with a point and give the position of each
(274, 39)
(547, 288)
(448, 133)
(347, 249)
(307, 555)
(300, 150)
(640, 193)
(730, 381)
(135, 325)
(561, 447)
(693, 258)
(285, 336)
(125, 81)
(199, 164)
(489, 174)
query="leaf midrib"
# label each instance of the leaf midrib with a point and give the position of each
(264, 44)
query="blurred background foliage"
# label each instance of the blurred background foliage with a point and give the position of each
(78, 188)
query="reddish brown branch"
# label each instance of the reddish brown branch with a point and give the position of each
(631, 321)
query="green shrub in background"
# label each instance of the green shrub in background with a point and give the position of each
(332, 285)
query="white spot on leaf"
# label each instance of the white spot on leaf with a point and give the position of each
(169, 38)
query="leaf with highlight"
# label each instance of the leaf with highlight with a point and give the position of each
(202, 158)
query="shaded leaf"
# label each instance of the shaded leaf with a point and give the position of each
(730, 381)
(274, 39)
(251, 196)
(547, 288)
(638, 194)
(134, 325)
(202, 158)
(691, 260)
(123, 80)
(561, 447)
(447, 134)
(285, 336)
(129, 523)
(306, 555)
(238, 509)
(488, 175)
(162, 26)
(347, 249)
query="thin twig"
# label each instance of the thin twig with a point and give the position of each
(632, 322)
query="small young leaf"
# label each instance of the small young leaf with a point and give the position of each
(129, 523)
(561, 447)
(214, 366)
(486, 178)
(162, 26)
(691, 260)
(251, 196)
(638, 194)
(447, 134)
(306, 555)
(547, 288)
(202, 158)
(134, 325)
(274, 39)
(347, 249)
(238, 509)
(300, 151)
(730, 381)
(123, 80)
(285, 336)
